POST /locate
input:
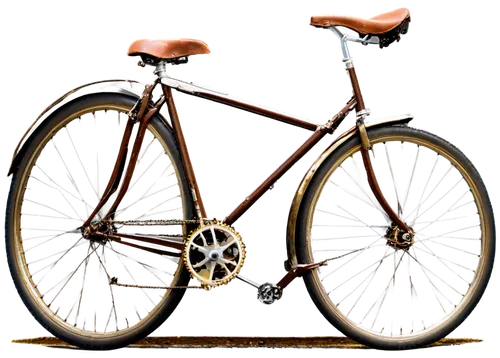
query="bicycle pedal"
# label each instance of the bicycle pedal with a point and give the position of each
(269, 293)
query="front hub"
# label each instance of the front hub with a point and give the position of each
(398, 238)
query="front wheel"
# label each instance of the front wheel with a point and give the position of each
(64, 278)
(377, 291)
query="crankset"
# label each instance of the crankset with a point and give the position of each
(214, 254)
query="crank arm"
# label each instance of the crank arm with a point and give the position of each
(246, 280)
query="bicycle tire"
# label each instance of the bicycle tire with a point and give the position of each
(93, 337)
(362, 295)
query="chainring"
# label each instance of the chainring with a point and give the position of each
(214, 254)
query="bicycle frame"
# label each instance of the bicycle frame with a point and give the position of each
(133, 136)
(170, 85)
(319, 131)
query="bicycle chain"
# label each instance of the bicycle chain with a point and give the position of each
(145, 286)
(159, 222)
(114, 280)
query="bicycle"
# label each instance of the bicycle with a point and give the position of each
(210, 250)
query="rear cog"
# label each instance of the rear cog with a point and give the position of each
(214, 254)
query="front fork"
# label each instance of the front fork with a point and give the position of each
(361, 114)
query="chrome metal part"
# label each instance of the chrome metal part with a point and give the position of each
(367, 40)
(269, 293)
(246, 280)
(160, 70)
(361, 115)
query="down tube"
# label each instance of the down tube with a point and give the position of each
(311, 142)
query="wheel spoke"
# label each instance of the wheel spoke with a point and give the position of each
(146, 266)
(423, 209)
(39, 243)
(143, 172)
(411, 178)
(60, 186)
(369, 203)
(395, 186)
(427, 274)
(35, 203)
(380, 300)
(57, 254)
(71, 177)
(51, 183)
(342, 213)
(384, 290)
(139, 200)
(132, 277)
(75, 308)
(151, 211)
(429, 208)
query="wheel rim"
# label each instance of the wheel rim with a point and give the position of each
(68, 276)
(381, 290)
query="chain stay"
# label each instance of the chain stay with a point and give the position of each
(114, 280)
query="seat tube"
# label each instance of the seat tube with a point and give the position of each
(186, 161)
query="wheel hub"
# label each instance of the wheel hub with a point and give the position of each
(96, 230)
(398, 238)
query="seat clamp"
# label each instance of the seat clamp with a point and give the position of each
(161, 70)
(348, 63)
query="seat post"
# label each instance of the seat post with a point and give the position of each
(361, 111)
(161, 70)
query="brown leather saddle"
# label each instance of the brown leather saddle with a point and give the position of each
(378, 23)
(153, 52)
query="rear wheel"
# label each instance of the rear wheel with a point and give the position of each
(381, 292)
(64, 278)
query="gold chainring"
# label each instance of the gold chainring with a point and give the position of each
(214, 254)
